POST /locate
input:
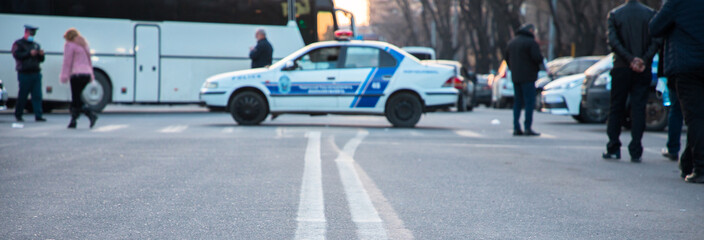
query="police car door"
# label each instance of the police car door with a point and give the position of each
(308, 86)
(368, 70)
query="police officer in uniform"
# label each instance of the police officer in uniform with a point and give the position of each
(28, 55)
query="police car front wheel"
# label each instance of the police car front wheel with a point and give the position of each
(248, 108)
(404, 110)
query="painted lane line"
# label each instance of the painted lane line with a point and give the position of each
(109, 128)
(228, 130)
(548, 136)
(469, 134)
(311, 208)
(174, 129)
(364, 215)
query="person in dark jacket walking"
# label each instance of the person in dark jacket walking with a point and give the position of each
(681, 23)
(524, 59)
(634, 49)
(262, 53)
(28, 55)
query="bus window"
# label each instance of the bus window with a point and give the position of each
(326, 26)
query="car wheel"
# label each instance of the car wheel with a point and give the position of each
(403, 110)
(655, 114)
(578, 118)
(248, 108)
(592, 115)
(97, 96)
(461, 103)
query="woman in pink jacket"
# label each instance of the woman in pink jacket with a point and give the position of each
(77, 69)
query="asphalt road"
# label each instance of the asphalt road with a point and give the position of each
(184, 173)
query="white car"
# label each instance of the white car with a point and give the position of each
(563, 96)
(335, 77)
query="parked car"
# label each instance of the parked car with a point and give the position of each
(463, 82)
(563, 67)
(563, 96)
(482, 90)
(422, 53)
(596, 95)
(3, 96)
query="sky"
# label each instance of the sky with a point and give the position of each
(360, 9)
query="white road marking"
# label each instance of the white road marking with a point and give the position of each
(311, 208)
(545, 135)
(228, 130)
(364, 215)
(110, 128)
(174, 129)
(469, 134)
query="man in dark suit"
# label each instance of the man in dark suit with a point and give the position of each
(262, 53)
(634, 49)
(682, 24)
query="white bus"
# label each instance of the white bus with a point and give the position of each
(156, 51)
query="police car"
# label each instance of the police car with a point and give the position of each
(336, 77)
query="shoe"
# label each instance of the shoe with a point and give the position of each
(72, 124)
(19, 119)
(531, 133)
(607, 155)
(93, 118)
(694, 178)
(666, 153)
(636, 159)
(40, 119)
(517, 133)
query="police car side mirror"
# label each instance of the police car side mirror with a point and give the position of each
(288, 66)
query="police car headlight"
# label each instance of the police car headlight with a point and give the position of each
(602, 80)
(210, 85)
(574, 84)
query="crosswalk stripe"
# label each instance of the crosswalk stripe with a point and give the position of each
(311, 208)
(467, 133)
(110, 128)
(364, 215)
(174, 129)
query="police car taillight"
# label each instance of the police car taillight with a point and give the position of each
(454, 82)
(343, 35)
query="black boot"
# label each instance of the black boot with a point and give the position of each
(91, 116)
(75, 113)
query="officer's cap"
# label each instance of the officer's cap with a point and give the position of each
(30, 27)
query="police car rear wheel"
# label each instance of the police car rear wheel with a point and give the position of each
(248, 108)
(404, 110)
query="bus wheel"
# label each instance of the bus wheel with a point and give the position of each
(404, 110)
(98, 95)
(248, 108)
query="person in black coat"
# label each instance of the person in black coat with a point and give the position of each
(524, 59)
(28, 55)
(261, 54)
(682, 24)
(634, 49)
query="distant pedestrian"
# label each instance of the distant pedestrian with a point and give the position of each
(674, 121)
(682, 24)
(77, 69)
(634, 50)
(524, 60)
(28, 55)
(261, 54)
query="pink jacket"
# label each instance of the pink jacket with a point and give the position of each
(76, 60)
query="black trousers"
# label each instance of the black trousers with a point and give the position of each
(30, 83)
(627, 84)
(690, 90)
(78, 83)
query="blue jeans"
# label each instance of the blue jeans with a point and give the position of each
(30, 83)
(674, 121)
(523, 98)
